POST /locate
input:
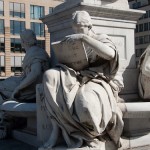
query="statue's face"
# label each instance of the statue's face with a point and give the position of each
(78, 28)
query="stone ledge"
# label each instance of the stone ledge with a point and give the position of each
(17, 109)
(130, 110)
(135, 110)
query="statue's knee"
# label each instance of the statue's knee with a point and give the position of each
(50, 75)
(51, 78)
(86, 104)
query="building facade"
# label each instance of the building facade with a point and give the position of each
(142, 32)
(15, 16)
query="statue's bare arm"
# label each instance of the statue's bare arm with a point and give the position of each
(100, 48)
(30, 78)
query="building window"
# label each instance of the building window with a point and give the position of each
(2, 65)
(136, 41)
(1, 8)
(146, 39)
(17, 71)
(17, 10)
(137, 28)
(2, 61)
(16, 64)
(139, 52)
(41, 43)
(136, 5)
(141, 40)
(36, 12)
(145, 26)
(50, 10)
(17, 27)
(38, 28)
(1, 26)
(2, 45)
(149, 13)
(149, 25)
(141, 28)
(16, 45)
(16, 61)
(146, 14)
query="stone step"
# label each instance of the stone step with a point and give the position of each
(136, 116)
(25, 137)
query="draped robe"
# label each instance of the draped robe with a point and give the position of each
(84, 103)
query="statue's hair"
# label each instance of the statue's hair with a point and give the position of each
(82, 17)
(28, 37)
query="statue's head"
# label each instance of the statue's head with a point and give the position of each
(81, 20)
(28, 38)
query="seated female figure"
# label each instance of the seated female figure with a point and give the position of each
(83, 104)
(35, 63)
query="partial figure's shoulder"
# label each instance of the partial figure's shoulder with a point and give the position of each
(148, 49)
(36, 53)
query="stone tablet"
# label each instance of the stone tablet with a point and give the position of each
(72, 54)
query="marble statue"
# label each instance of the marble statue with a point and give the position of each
(82, 105)
(35, 63)
(144, 76)
(23, 88)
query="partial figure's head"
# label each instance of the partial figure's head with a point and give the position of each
(81, 22)
(28, 38)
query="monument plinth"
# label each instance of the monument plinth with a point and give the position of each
(109, 18)
(115, 18)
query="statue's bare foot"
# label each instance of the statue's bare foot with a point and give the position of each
(95, 144)
(49, 144)
(53, 137)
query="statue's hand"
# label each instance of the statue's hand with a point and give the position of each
(73, 37)
(15, 93)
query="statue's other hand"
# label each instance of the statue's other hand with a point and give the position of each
(15, 93)
(73, 37)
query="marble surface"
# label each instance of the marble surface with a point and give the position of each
(119, 4)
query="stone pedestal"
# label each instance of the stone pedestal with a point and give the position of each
(112, 17)
(118, 23)
(43, 122)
